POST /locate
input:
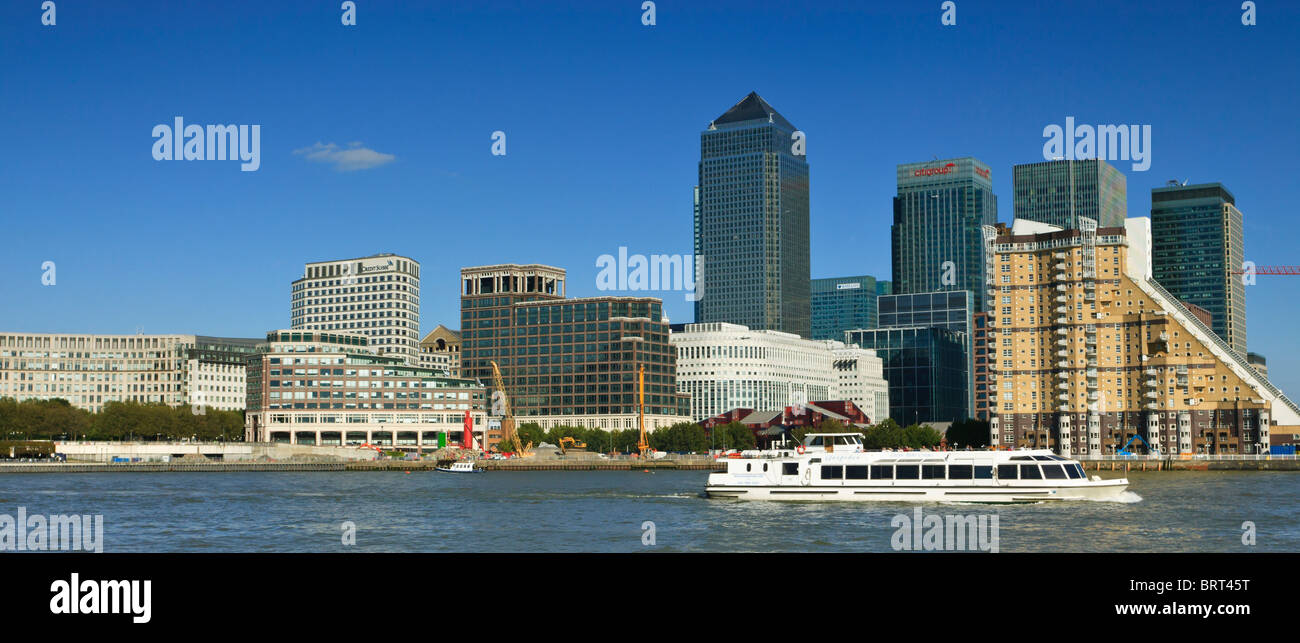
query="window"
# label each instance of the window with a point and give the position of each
(907, 472)
(960, 472)
(1053, 472)
(789, 468)
(983, 472)
(932, 472)
(855, 472)
(1030, 472)
(832, 472)
(1074, 471)
(882, 472)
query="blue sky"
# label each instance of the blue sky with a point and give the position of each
(602, 117)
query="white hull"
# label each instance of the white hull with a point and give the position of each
(1082, 490)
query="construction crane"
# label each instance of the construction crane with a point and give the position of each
(643, 446)
(1270, 270)
(507, 419)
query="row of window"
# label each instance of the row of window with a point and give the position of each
(943, 472)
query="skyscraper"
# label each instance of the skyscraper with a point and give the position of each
(751, 221)
(845, 303)
(939, 215)
(1059, 192)
(1196, 244)
(376, 296)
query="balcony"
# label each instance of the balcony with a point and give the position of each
(1060, 266)
(1151, 383)
(1062, 299)
(1062, 331)
(1063, 386)
(1062, 353)
(1062, 320)
(1063, 364)
(1064, 397)
(1152, 394)
(1151, 371)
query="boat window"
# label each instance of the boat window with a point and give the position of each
(832, 472)
(1008, 472)
(856, 472)
(1030, 472)
(1072, 470)
(790, 468)
(748, 466)
(1041, 458)
(960, 472)
(1054, 472)
(983, 472)
(932, 471)
(816, 441)
(1079, 467)
(764, 466)
(882, 472)
(1022, 457)
(907, 472)
(1057, 457)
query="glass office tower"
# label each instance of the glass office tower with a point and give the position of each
(926, 370)
(845, 303)
(1060, 192)
(751, 221)
(1196, 244)
(937, 236)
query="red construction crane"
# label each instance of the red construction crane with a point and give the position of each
(1270, 270)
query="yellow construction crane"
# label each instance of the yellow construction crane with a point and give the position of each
(507, 418)
(643, 446)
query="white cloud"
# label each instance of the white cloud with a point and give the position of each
(345, 159)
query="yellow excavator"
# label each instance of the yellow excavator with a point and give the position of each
(571, 444)
(508, 432)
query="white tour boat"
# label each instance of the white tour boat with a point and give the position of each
(834, 466)
(463, 466)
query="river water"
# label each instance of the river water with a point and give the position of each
(604, 511)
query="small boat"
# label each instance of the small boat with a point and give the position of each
(461, 467)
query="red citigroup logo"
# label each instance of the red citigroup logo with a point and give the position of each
(983, 172)
(931, 171)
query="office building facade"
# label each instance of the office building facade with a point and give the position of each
(376, 296)
(333, 389)
(1086, 358)
(90, 371)
(440, 350)
(953, 309)
(925, 367)
(727, 366)
(937, 234)
(751, 221)
(567, 362)
(1196, 246)
(845, 303)
(1062, 192)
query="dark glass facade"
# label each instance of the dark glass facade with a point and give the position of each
(1196, 245)
(582, 357)
(1060, 192)
(937, 234)
(845, 303)
(951, 310)
(751, 222)
(925, 368)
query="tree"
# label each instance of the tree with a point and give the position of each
(531, 432)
